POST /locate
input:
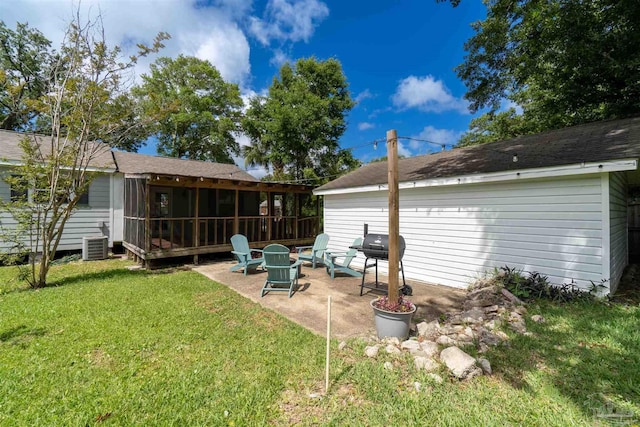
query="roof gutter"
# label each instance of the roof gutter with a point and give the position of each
(88, 169)
(547, 172)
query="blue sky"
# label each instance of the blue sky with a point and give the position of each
(398, 56)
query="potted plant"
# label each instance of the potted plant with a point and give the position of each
(393, 316)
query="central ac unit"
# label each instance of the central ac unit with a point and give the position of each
(94, 248)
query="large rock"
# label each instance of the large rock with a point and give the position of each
(425, 363)
(460, 364)
(371, 351)
(511, 297)
(485, 365)
(475, 315)
(445, 340)
(428, 330)
(410, 345)
(429, 347)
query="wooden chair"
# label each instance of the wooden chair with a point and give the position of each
(339, 261)
(242, 251)
(282, 275)
(317, 250)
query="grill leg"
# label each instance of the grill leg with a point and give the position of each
(364, 273)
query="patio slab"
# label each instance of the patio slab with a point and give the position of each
(351, 314)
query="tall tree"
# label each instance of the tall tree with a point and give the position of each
(563, 62)
(295, 128)
(81, 106)
(25, 61)
(194, 112)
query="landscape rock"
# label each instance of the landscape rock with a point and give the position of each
(491, 309)
(493, 324)
(428, 330)
(521, 310)
(392, 349)
(392, 341)
(425, 363)
(461, 365)
(371, 350)
(430, 348)
(538, 319)
(511, 297)
(445, 340)
(490, 338)
(388, 366)
(485, 365)
(518, 326)
(475, 315)
(410, 345)
(342, 345)
(417, 386)
(437, 378)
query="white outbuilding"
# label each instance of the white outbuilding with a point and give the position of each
(559, 203)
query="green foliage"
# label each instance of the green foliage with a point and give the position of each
(25, 64)
(563, 62)
(194, 113)
(532, 286)
(82, 106)
(296, 127)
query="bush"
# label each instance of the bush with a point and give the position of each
(533, 285)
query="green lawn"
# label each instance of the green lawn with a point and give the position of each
(109, 346)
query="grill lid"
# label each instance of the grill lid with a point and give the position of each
(377, 246)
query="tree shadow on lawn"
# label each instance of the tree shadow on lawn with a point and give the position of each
(115, 274)
(21, 332)
(590, 352)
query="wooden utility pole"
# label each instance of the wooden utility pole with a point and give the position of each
(394, 216)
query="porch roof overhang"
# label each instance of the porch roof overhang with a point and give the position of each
(222, 183)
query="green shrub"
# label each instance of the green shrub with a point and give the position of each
(534, 285)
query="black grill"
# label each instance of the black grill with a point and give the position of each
(376, 246)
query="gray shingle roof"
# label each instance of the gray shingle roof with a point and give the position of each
(593, 142)
(10, 148)
(133, 163)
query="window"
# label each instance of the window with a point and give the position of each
(84, 199)
(19, 190)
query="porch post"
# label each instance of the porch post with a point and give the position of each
(269, 213)
(197, 224)
(147, 213)
(296, 199)
(236, 219)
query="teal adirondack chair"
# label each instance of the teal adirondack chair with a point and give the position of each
(317, 250)
(281, 274)
(242, 251)
(339, 261)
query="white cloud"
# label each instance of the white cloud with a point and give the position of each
(279, 58)
(289, 20)
(209, 32)
(403, 151)
(225, 46)
(427, 94)
(365, 94)
(365, 125)
(439, 136)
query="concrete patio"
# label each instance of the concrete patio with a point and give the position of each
(351, 314)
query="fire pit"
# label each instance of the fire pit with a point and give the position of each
(376, 247)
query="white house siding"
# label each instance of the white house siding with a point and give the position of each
(93, 220)
(456, 233)
(618, 227)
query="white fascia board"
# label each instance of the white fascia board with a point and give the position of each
(548, 172)
(89, 169)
